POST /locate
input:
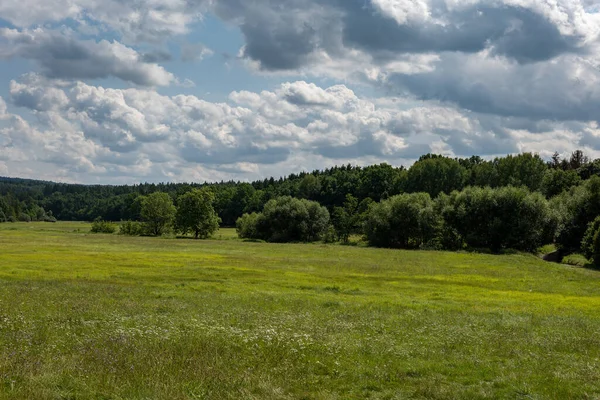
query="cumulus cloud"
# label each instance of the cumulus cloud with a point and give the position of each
(565, 89)
(460, 77)
(139, 133)
(152, 21)
(493, 56)
(290, 34)
(59, 55)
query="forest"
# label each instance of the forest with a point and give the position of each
(514, 202)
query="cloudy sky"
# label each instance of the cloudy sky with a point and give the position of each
(124, 91)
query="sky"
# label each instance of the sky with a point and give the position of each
(127, 91)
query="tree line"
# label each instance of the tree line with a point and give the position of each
(439, 202)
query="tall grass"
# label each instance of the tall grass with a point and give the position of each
(110, 317)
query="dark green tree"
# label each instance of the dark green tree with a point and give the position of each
(158, 213)
(502, 218)
(286, 219)
(346, 219)
(525, 169)
(195, 214)
(576, 209)
(435, 175)
(406, 221)
(556, 181)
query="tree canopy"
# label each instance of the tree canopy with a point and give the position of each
(195, 213)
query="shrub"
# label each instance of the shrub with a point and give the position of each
(2, 216)
(49, 218)
(587, 244)
(596, 249)
(406, 221)
(503, 218)
(286, 219)
(330, 235)
(576, 209)
(246, 226)
(100, 226)
(24, 217)
(131, 228)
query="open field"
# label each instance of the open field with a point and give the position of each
(108, 317)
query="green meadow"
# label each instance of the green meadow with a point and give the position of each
(86, 316)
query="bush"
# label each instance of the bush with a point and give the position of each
(596, 249)
(503, 218)
(99, 226)
(576, 209)
(2, 216)
(330, 235)
(49, 218)
(407, 221)
(131, 228)
(587, 244)
(286, 219)
(24, 217)
(246, 226)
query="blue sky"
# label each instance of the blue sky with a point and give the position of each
(171, 90)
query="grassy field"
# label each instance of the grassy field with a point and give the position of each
(108, 317)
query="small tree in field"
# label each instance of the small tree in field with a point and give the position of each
(157, 213)
(195, 213)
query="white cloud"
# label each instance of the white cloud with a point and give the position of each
(93, 132)
(60, 55)
(149, 21)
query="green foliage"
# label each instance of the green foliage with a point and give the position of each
(131, 228)
(435, 175)
(330, 235)
(576, 209)
(158, 213)
(309, 187)
(380, 182)
(576, 260)
(100, 226)
(406, 221)
(503, 218)
(195, 213)
(24, 217)
(346, 219)
(246, 226)
(521, 170)
(556, 181)
(287, 219)
(596, 249)
(590, 245)
(3, 217)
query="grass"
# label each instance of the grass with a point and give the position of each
(107, 317)
(577, 260)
